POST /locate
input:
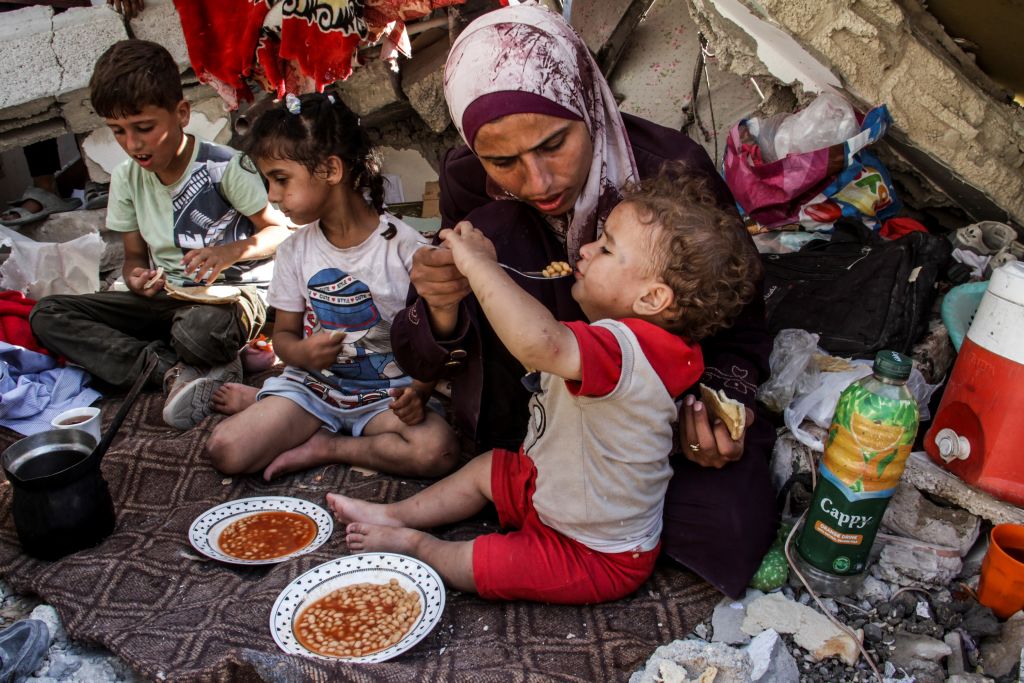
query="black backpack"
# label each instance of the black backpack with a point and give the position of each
(858, 292)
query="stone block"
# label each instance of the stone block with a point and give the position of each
(606, 26)
(771, 660)
(911, 514)
(43, 130)
(912, 646)
(727, 619)
(44, 114)
(80, 36)
(29, 69)
(685, 660)
(811, 629)
(925, 475)
(77, 111)
(423, 84)
(372, 91)
(161, 24)
(909, 562)
(1001, 653)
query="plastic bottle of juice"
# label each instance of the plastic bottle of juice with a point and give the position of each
(868, 443)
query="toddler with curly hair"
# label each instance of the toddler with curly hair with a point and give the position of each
(584, 493)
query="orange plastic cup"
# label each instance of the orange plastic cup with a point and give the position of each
(1002, 571)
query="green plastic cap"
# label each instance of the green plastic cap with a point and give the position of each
(893, 365)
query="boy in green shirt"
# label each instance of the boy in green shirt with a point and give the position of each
(189, 214)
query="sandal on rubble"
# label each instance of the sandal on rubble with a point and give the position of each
(22, 648)
(95, 195)
(49, 202)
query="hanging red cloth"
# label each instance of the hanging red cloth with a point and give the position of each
(14, 327)
(321, 36)
(221, 39)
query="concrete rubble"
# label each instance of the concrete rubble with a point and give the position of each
(811, 630)
(911, 514)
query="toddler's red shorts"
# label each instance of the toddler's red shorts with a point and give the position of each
(537, 563)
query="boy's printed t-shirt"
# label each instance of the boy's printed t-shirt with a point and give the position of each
(357, 290)
(601, 445)
(207, 206)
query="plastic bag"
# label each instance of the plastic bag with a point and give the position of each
(791, 367)
(38, 269)
(828, 120)
(811, 188)
(801, 391)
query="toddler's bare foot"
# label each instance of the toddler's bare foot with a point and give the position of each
(362, 537)
(347, 510)
(315, 451)
(233, 398)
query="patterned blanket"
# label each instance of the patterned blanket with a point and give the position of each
(175, 616)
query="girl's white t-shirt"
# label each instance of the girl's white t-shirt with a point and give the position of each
(357, 290)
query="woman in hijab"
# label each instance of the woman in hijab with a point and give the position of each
(546, 153)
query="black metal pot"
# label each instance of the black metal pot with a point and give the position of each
(61, 501)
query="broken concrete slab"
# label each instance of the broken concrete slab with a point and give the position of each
(908, 647)
(770, 659)
(80, 36)
(925, 475)
(811, 630)
(161, 24)
(40, 130)
(999, 654)
(909, 562)
(654, 77)
(911, 514)
(373, 93)
(727, 619)
(972, 139)
(687, 660)
(28, 69)
(423, 84)
(606, 27)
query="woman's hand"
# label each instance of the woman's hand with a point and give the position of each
(468, 245)
(437, 279)
(705, 439)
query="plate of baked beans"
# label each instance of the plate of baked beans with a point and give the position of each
(360, 608)
(263, 530)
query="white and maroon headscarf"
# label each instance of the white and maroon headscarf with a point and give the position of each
(525, 59)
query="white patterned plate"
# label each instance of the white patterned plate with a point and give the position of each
(205, 531)
(412, 575)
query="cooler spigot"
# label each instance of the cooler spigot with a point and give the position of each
(952, 446)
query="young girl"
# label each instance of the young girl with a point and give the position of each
(337, 284)
(585, 491)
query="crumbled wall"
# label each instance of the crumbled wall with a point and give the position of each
(894, 53)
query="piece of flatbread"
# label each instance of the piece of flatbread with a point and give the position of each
(732, 413)
(832, 363)
(155, 279)
(214, 294)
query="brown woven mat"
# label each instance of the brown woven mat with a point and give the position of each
(146, 596)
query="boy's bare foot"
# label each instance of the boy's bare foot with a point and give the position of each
(347, 510)
(315, 451)
(233, 398)
(361, 537)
